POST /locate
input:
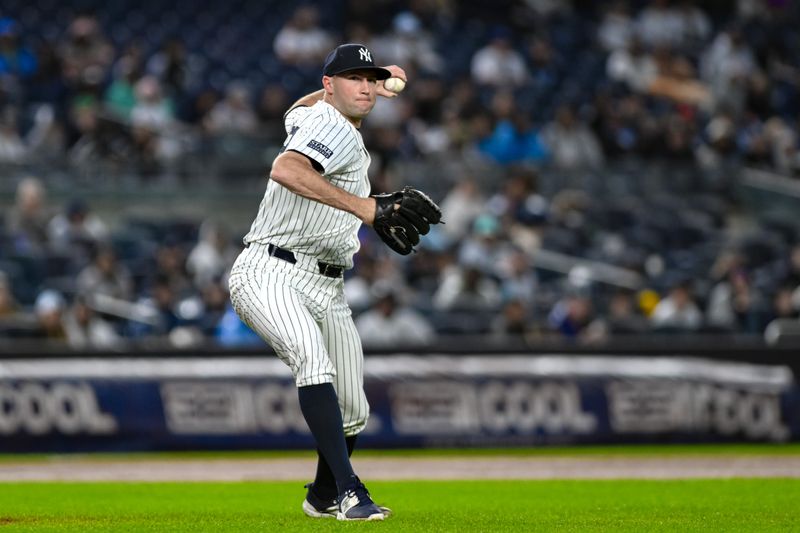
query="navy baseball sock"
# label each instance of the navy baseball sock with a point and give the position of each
(320, 408)
(324, 482)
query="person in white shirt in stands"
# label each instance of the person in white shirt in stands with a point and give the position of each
(498, 63)
(388, 324)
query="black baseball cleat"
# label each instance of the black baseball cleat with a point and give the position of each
(316, 507)
(356, 504)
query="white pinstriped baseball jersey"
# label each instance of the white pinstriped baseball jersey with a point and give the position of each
(300, 312)
(290, 221)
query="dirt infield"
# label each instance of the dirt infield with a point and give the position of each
(406, 468)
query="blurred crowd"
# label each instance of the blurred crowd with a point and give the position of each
(503, 97)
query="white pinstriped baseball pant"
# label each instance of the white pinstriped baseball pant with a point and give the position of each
(303, 315)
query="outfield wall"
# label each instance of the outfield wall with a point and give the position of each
(126, 404)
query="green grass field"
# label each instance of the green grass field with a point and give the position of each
(701, 505)
(615, 505)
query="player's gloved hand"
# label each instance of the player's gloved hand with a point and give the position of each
(402, 216)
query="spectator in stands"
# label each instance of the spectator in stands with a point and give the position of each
(517, 201)
(632, 65)
(571, 314)
(422, 272)
(513, 320)
(619, 123)
(120, 96)
(498, 64)
(12, 147)
(358, 286)
(161, 302)
(171, 267)
(8, 304)
(521, 210)
(542, 11)
(105, 276)
(660, 24)
(177, 69)
(785, 303)
(726, 66)
(86, 331)
(513, 139)
(783, 143)
(46, 140)
(460, 207)
(130, 59)
(571, 143)
(717, 147)
(27, 220)
(420, 123)
(617, 28)
(678, 136)
(49, 311)
(301, 41)
(485, 247)
(153, 110)
(678, 311)
(734, 304)
(388, 324)
(272, 105)
(87, 144)
(15, 320)
(86, 54)
(235, 113)
(466, 288)
(546, 63)
(154, 122)
(17, 62)
(624, 315)
(460, 102)
(518, 280)
(695, 24)
(407, 43)
(76, 230)
(621, 317)
(215, 303)
(199, 106)
(211, 256)
(783, 76)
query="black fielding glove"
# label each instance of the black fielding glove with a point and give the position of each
(402, 216)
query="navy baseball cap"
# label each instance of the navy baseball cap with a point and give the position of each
(352, 56)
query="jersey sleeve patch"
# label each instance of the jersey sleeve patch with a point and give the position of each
(321, 148)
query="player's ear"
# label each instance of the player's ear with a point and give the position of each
(327, 84)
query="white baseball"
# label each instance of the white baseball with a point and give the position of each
(394, 84)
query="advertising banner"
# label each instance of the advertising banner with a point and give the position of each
(251, 403)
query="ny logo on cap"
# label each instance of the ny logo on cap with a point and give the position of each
(364, 54)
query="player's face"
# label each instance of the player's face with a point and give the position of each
(354, 93)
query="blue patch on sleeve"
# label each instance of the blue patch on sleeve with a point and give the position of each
(321, 148)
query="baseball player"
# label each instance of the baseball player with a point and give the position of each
(287, 283)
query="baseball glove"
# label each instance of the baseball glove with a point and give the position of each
(402, 216)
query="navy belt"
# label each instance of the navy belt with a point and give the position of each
(326, 269)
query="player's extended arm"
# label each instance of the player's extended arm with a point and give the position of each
(294, 171)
